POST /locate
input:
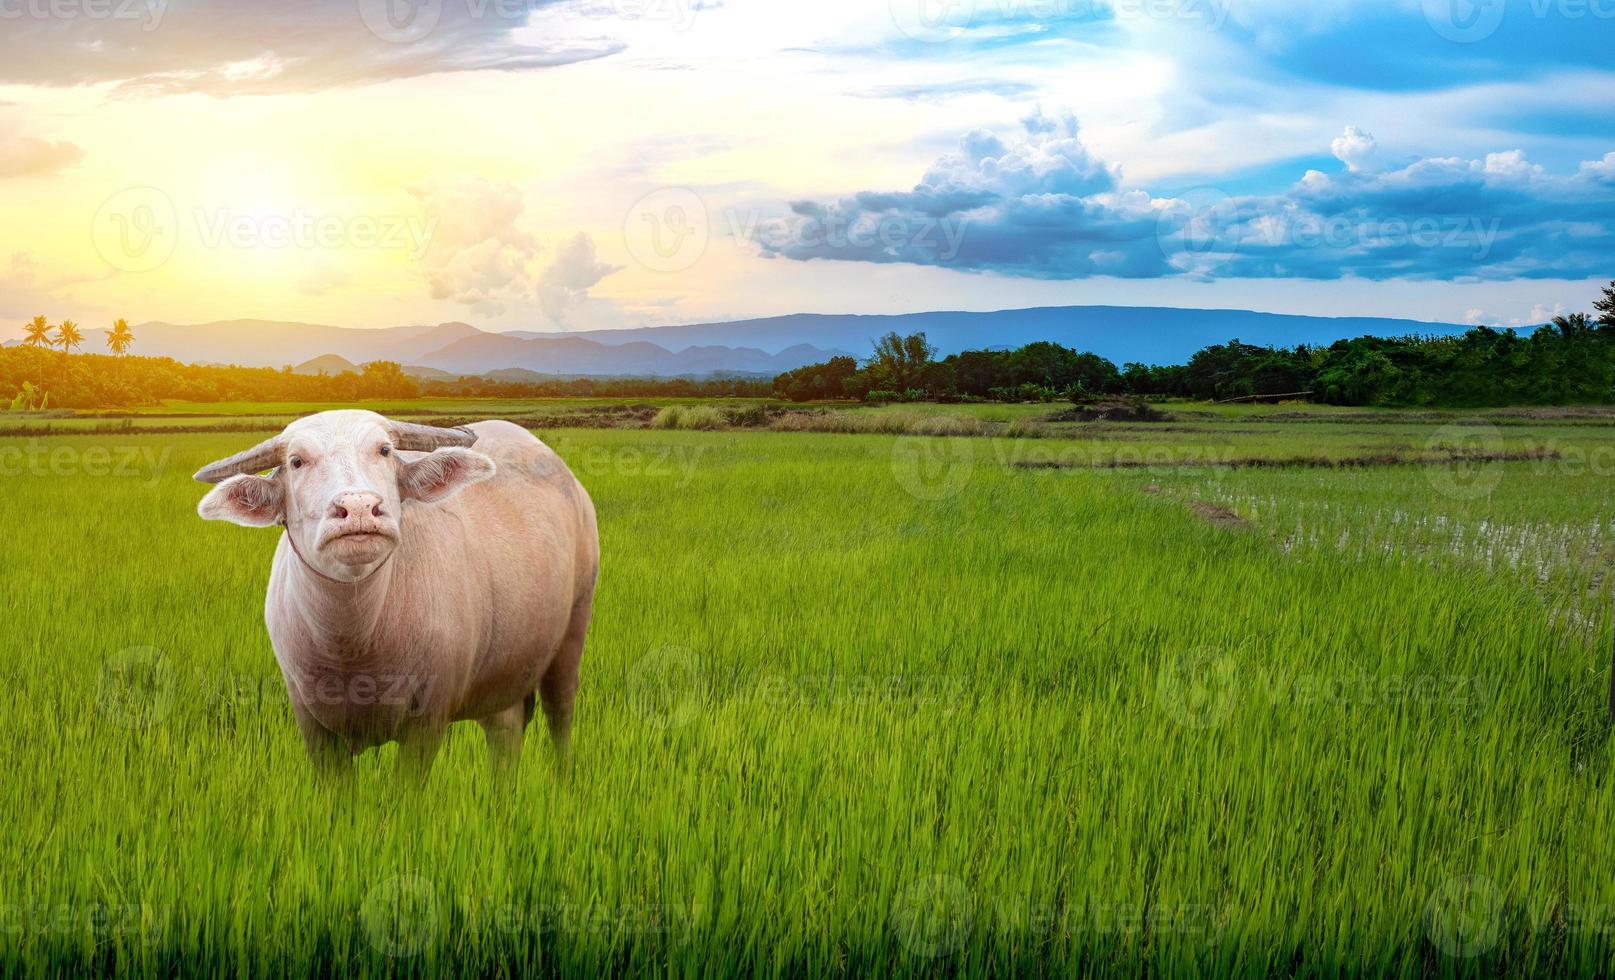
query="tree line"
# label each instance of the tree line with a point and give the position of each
(35, 377)
(1570, 360)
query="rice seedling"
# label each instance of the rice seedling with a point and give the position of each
(855, 704)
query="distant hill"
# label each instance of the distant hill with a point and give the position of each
(1152, 335)
(428, 373)
(326, 364)
(273, 343)
(577, 356)
(446, 350)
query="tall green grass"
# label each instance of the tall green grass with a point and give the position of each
(852, 705)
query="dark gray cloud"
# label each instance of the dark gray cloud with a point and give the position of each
(227, 47)
(1042, 206)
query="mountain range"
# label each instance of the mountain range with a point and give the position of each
(1149, 335)
(768, 346)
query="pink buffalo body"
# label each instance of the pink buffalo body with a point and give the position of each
(418, 582)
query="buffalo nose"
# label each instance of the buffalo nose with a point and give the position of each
(356, 504)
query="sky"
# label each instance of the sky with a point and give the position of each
(587, 164)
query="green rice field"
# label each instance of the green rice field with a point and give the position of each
(1250, 690)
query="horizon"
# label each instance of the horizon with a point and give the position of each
(768, 347)
(1408, 162)
(16, 332)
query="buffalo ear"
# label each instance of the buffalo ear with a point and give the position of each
(251, 501)
(442, 474)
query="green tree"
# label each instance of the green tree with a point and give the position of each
(1360, 377)
(827, 380)
(386, 379)
(898, 362)
(1606, 308)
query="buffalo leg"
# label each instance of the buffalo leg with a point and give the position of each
(558, 688)
(326, 750)
(416, 753)
(505, 731)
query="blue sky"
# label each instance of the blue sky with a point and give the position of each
(596, 163)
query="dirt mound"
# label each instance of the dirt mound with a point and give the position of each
(600, 417)
(1217, 515)
(1110, 412)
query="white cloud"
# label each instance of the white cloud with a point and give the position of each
(1355, 149)
(1602, 171)
(1540, 314)
(567, 279)
(478, 254)
(1511, 165)
(481, 253)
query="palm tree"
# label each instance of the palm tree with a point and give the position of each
(120, 337)
(1573, 326)
(38, 336)
(68, 336)
(38, 332)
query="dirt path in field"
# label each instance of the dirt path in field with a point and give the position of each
(1298, 462)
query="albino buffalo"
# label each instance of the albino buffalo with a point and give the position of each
(418, 582)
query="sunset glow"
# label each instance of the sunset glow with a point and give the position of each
(298, 165)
